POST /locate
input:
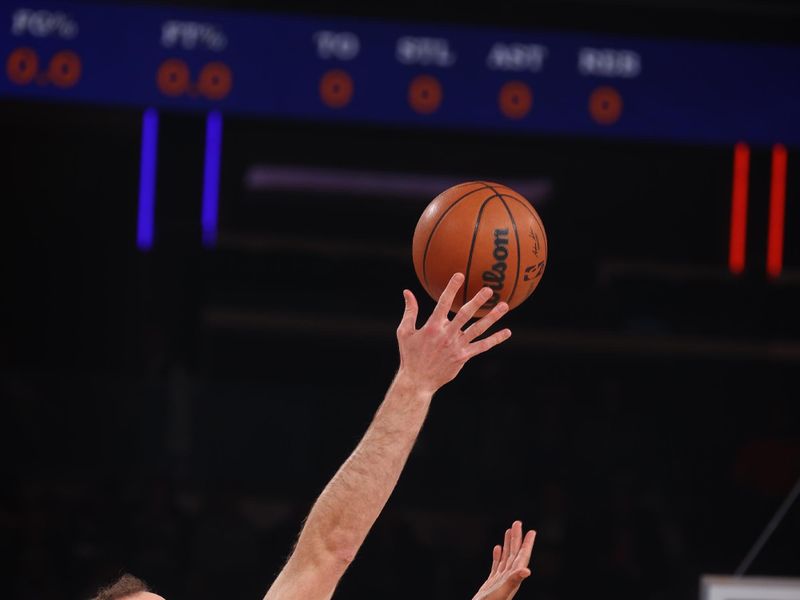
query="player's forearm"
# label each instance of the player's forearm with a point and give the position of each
(353, 499)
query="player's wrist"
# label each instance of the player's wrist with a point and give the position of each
(411, 384)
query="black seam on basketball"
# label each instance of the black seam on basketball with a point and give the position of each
(527, 207)
(436, 225)
(516, 236)
(472, 245)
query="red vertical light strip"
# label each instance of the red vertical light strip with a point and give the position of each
(777, 210)
(741, 174)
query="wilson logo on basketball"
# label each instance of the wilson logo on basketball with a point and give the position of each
(495, 278)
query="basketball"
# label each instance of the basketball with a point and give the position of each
(486, 231)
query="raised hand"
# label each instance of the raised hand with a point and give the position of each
(509, 565)
(435, 353)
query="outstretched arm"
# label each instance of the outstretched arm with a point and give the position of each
(351, 502)
(509, 565)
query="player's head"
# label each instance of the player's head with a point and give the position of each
(127, 587)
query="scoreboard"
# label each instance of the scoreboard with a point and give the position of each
(411, 74)
(158, 59)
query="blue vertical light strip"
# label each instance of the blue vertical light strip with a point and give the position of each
(145, 228)
(211, 178)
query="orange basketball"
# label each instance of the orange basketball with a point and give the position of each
(486, 231)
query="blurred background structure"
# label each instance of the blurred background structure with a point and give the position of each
(208, 214)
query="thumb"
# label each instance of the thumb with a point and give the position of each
(514, 580)
(411, 310)
(522, 574)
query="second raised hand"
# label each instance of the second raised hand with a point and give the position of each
(509, 565)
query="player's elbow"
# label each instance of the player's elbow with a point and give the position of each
(340, 558)
(340, 547)
(345, 554)
(331, 551)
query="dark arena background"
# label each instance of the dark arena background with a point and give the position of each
(208, 211)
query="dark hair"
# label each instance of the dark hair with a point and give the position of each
(125, 586)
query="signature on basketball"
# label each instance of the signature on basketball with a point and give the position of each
(535, 241)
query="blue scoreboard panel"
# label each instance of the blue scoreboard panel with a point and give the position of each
(280, 66)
